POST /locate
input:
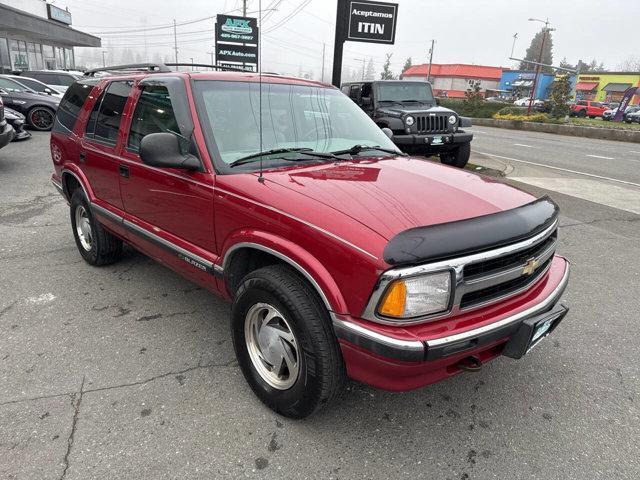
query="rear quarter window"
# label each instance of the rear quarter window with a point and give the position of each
(71, 104)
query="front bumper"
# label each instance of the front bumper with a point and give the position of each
(6, 134)
(428, 140)
(395, 363)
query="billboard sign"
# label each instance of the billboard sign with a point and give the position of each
(58, 14)
(237, 53)
(372, 22)
(236, 29)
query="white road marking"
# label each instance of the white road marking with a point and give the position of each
(561, 169)
(477, 131)
(600, 156)
(633, 151)
(42, 299)
(622, 198)
(522, 145)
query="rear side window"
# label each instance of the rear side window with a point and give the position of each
(71, 105)
(596, 104)
(104, 122)
(582, 102)
(153, 114)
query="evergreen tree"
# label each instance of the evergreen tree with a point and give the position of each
(407, 65)
(560, 93)
(387, 74)
(370, 73)
(533, 52)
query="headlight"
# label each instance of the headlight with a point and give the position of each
(452, 120)
(19, 102)
(409, 121)
(416, 296)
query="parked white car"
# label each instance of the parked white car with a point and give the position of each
(59, 80)
(36, 85)
(524, 102)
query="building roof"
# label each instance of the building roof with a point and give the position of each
(461, 70)
(18, 22)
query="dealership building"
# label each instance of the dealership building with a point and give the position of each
(36, 35)
(453, 79)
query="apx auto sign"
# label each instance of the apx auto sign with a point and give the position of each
(372, 22)
(236, 29)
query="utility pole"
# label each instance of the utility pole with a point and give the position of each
(513, 47)
(323, 49)
(244, 8)
(211, 53)
(175, 41)
(104, 62)
(430, 60)
(191, 63)
(545, 29)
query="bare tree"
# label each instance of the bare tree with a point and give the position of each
(629, 64)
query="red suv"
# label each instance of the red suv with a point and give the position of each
(587, 108)
(342, 256)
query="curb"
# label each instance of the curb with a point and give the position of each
(599, 133)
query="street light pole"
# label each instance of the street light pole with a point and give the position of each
(104, 62)
(430, 61)
(545, 29)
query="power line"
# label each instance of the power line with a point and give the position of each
(286, 19)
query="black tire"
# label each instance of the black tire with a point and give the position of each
(104, 248)
(458, 157)
(40, 118)
(582, 113)
(321, 373)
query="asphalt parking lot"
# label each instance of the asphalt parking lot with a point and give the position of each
(128, 371)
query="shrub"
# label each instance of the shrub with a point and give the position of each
(536, 117)
(482, 109)
(512, 111)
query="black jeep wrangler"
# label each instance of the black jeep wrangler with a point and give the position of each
(418, 124)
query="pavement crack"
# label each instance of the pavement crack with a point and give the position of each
(7, 308)
(76, 400)
(600, 220)
(35, 399)
(163, 375)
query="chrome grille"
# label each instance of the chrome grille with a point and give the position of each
(433, 123)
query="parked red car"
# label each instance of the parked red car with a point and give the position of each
(587, 108)
(342, 256)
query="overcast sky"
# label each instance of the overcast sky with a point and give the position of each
(466, 31)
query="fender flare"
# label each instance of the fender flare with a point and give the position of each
(81, 179)
(300, 259)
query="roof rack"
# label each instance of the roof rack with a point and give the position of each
(158, 68)
(136, 67)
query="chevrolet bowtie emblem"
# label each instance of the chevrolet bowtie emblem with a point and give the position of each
(530, 266)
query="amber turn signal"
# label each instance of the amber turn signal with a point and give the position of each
(394, 300)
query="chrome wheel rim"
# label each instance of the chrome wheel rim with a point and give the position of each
(83, 228)
(272, 346)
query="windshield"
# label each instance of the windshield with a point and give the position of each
(293, 116)
(10, 86)
(404, 91)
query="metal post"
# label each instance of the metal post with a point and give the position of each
(430, 61)
(104, 62)
(244, 8)
(323, 49)
(342, 18)
(535, 78)
(211, 53)
(175, 41)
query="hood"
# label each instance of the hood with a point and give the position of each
(389, 195)
(413, 110)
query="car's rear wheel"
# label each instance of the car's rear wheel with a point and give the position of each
(285, 343)
(40, 118)
(582, 113)
(96, 245)
(458, 157)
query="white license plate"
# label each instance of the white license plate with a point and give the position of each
(540, 331)
(436, 141)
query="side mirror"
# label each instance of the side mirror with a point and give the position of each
(48, 91)
(162, 150)
(388, 132)
(366, 101)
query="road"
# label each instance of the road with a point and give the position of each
(606, 172)
(128, 371)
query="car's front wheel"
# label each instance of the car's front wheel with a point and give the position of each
(458, 157)
(40, 118)
(285, 343)
(96, 245)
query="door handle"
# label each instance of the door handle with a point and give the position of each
(82, 156)
(124, 171)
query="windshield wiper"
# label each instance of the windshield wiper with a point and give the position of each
(356, 149)
(274, 151)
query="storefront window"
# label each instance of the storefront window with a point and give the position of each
(5, 58)
(19, 55)
(49, 57)
(35, 56)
